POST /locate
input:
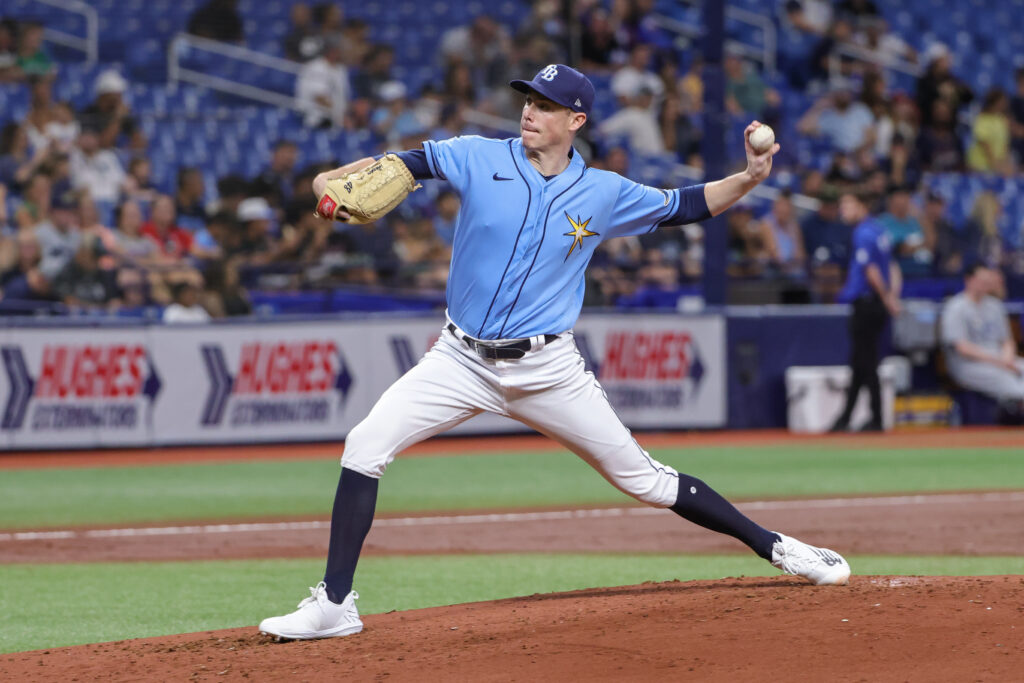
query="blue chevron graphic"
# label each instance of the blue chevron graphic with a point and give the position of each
(221, 383)
(152, 385)
(401, 349)
(22, 386)
(344, 381)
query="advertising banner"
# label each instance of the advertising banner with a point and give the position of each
(305, 381)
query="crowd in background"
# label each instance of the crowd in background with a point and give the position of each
(81, 222)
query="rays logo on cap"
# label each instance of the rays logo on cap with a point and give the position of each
(549, 73)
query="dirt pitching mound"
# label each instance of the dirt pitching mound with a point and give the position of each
(878, 628)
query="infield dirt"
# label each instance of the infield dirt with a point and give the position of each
(876, 629)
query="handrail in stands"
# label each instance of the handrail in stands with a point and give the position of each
(90, 43)
(867, 55)
(765, 54)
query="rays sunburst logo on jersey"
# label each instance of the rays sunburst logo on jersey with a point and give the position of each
(578, 232)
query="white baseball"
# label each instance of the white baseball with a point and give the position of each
(762, 138)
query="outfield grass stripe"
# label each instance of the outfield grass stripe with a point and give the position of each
(549, 515)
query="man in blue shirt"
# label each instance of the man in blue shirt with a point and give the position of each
(873, 284)
(532, 214)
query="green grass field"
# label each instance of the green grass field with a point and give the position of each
(97, 602)
(47, 498)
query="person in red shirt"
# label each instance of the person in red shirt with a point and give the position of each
(173, 242)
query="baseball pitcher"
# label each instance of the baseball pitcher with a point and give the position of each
(532, 215)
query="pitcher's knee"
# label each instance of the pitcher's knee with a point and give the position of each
(366, 451)
(657, 489)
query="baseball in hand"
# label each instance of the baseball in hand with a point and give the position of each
(762, 138)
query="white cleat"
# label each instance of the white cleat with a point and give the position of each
(317, 617)
(820, 566)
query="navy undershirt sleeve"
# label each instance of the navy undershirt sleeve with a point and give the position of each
(693, 208)
(416, 161)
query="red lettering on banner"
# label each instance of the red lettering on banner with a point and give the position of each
(661, 356)
(91, 371)
(287, 367)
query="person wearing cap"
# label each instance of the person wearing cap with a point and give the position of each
(109, 114)
(59, 236)
(532, 215)
(257, 245)
(873, 284)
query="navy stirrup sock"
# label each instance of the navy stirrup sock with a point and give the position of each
(700, 504)
(354, 504)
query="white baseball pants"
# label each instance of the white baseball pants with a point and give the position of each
(548, 389)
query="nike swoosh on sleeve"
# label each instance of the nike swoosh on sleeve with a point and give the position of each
(498, 177)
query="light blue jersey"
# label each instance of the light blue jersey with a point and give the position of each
(523, 242)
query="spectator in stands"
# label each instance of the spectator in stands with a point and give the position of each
(1017, 116)
(185, 306)
(913, 251)
(827, 243)
(691, 85)
(132, 292)
(92, 227)
(448, 205)
(900, 165)
(109, 113)
(232, 189)
(36, 200)
(138, 184)
(981, 354)
(744, 89)
(258, 246)
(97, 171)
(40, 112)
(17, 161)
(322, 88)
(780, 233)
(32, 57)
(218, 239)
(636, 123)
(375, 72)
(895, 117)
(20, 278)
(63, 130)
(8, 51)
(982, 235)
(938, 146)
(939, 84)
(355, 35)
(748, 253)
(600, 44)
(132, 246)
(275, 182)
(82, 283)
(188, 200)
(224, 296)
(393, 119)
(547, 24)
(885, 44)
(172, 243)
(217, 20)
(458, 86)
(949, 248)
(846, 124)
(59, 237)
(484, 46)
(839, 32)
(636, 74)
(303, 41)
(990, 136)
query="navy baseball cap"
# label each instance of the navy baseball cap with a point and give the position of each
(561, 84)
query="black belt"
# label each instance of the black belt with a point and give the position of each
(510, 351)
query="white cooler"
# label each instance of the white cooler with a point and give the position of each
(815, 395)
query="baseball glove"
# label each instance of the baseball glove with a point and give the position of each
(369, 194)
